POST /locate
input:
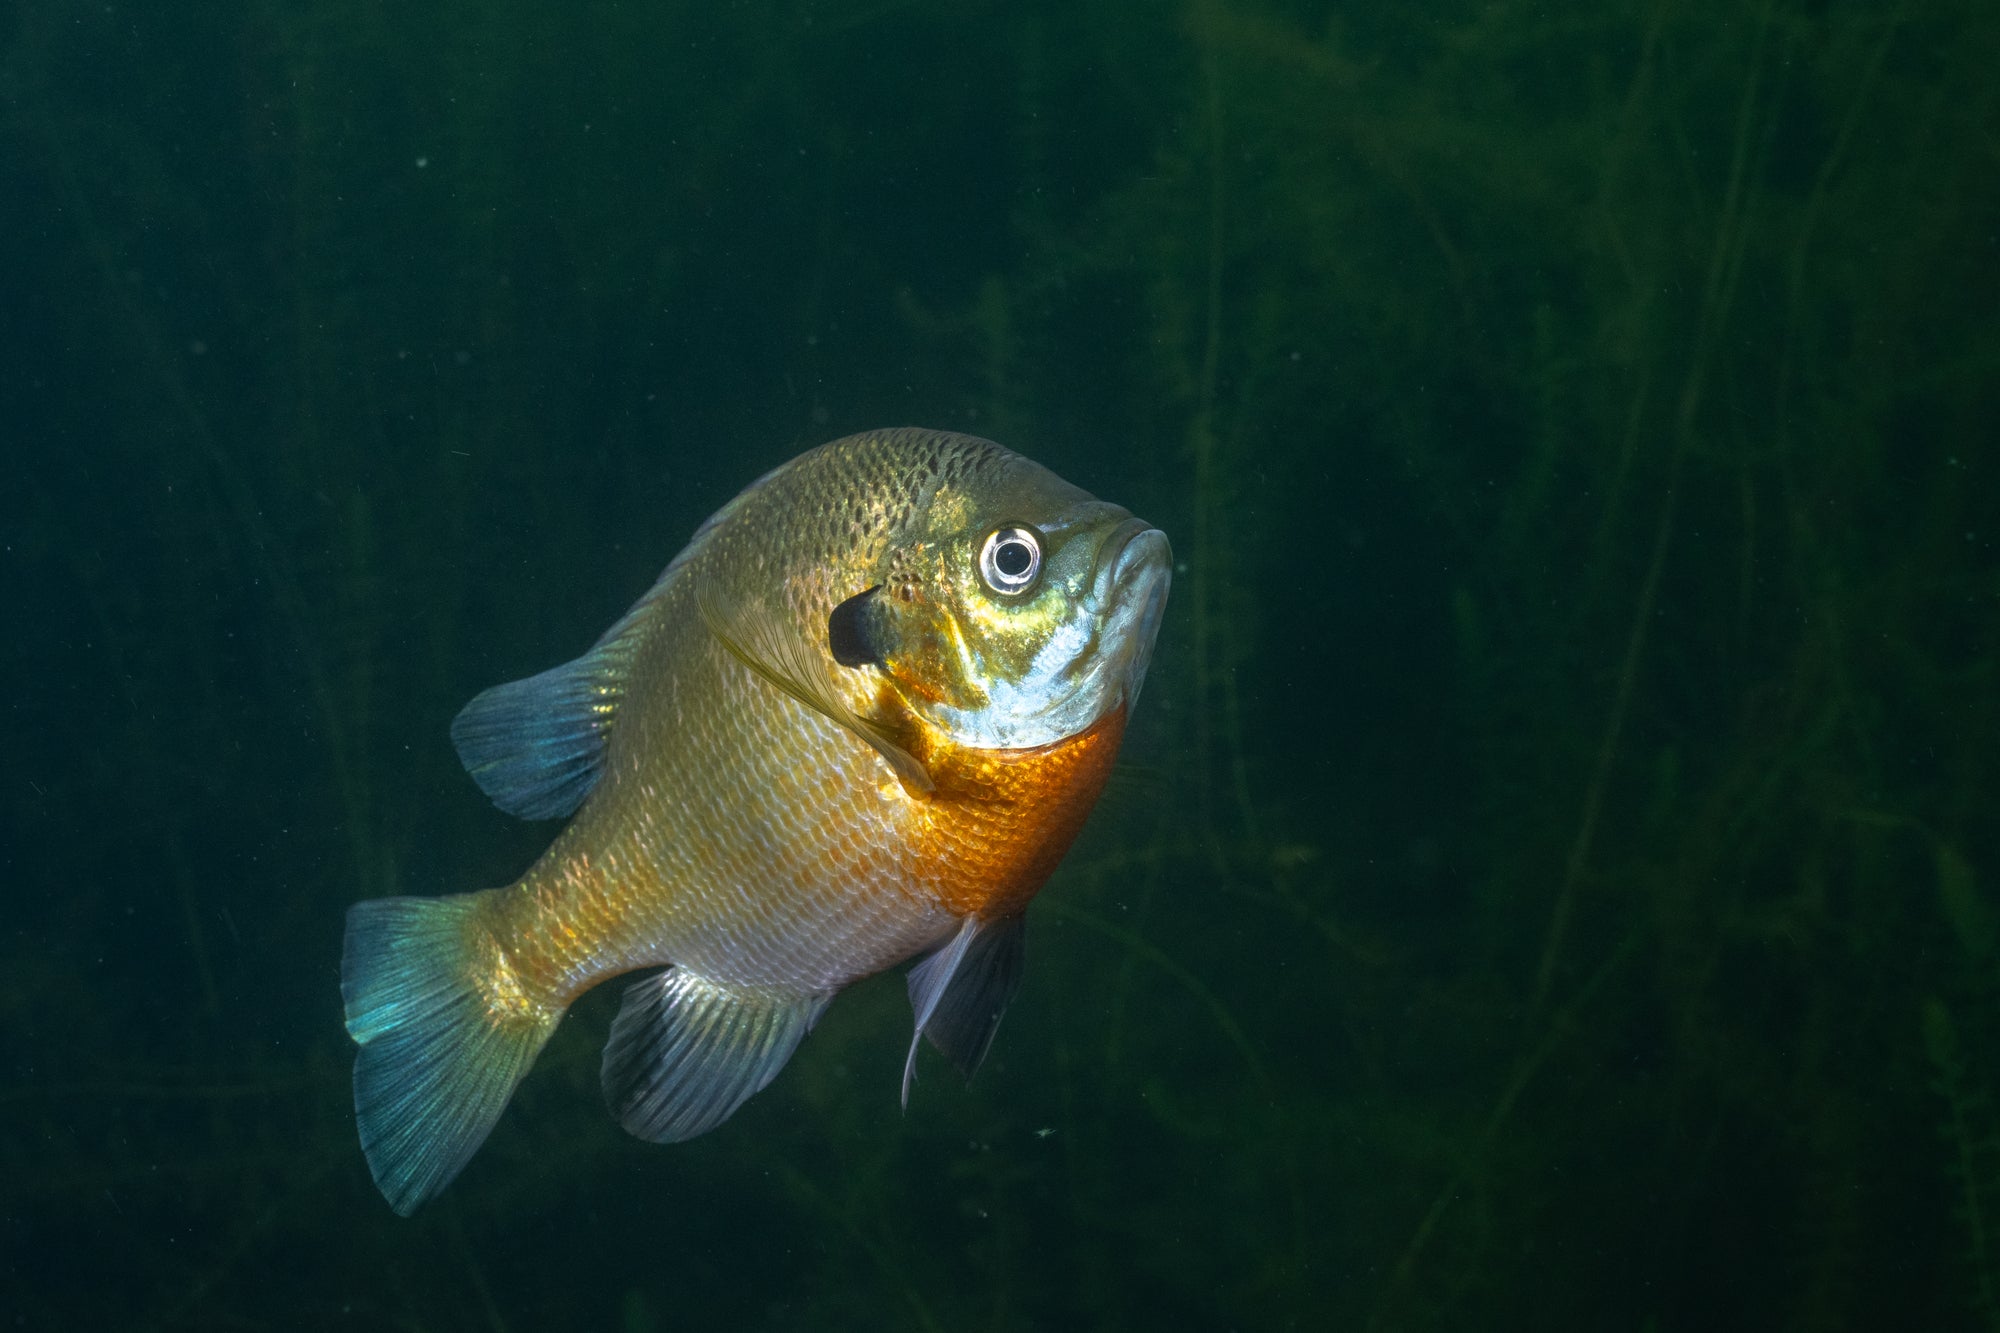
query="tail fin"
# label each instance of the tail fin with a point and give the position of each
(438, 1057)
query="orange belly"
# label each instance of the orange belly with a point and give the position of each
(1000, 820)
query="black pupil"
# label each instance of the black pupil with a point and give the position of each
(1013, 557)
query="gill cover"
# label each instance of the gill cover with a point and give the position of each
(1019, 628)
(856, 630)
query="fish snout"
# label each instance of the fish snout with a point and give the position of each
(1134, 572)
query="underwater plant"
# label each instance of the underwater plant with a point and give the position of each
(1519, 913)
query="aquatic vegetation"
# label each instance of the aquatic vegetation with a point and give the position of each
(1972, 1142)
(1552, 887)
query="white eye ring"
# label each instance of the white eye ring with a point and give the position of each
(1011, 559)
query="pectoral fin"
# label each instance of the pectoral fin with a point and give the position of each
(685, 1052)
(760, 642)
(960, 992)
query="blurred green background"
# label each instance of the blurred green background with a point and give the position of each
(1558, 886)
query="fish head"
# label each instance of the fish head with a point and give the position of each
(1018, 612)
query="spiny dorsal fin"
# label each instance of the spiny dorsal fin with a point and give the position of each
(760, 642)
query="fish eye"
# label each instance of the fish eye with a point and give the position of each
(1010, 559)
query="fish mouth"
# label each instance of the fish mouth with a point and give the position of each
(1127, 597)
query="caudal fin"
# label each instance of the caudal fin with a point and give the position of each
(438, 1057)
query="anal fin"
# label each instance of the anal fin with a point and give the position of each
(685, 1052)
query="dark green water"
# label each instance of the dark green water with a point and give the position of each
(1562, 890)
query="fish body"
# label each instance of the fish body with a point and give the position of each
(858, 720)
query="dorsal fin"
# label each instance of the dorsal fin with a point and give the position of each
(536, 746)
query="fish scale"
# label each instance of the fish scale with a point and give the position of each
(766, 816)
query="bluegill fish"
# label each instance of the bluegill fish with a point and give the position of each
(858, 720)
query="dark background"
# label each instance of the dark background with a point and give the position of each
(1557, 885)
